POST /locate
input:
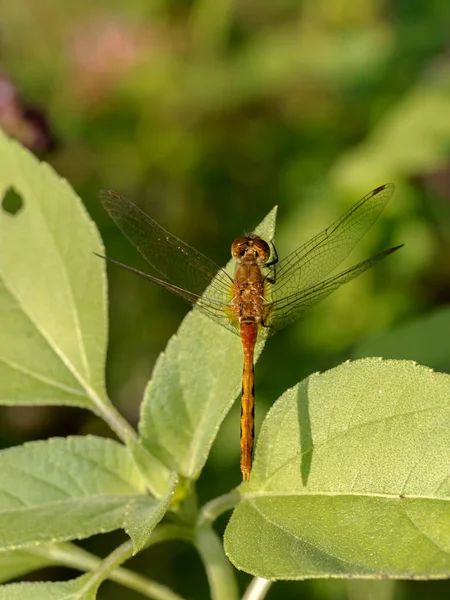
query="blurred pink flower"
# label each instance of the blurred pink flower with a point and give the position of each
(105, 50)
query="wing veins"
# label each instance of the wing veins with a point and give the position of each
(327, 240)
(148, 237)
(304, 299)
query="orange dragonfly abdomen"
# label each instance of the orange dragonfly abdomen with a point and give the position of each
(249, 333)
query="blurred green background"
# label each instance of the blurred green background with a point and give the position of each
(208, 113)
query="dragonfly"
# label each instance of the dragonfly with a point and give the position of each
(265, 294)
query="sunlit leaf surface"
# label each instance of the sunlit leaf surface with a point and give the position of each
(53, 324)
(351, 478)
(65, 489)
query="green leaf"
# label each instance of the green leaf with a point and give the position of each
(156, 475)
(424, 340)
(64, 489)
(351, 478)
(53, 324)
(75, 589)
(193, 386)
(143, 515)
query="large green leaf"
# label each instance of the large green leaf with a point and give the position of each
(64, 489)
(53, 325)
(351, 478)
(193, 386)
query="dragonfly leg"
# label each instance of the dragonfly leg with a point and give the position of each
(272, 265)
(275, 258)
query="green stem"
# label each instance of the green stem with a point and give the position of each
(212, 510)
(103, 407)
(111, 562)
(148, 588)
(219, 571)
(221, 578)
(151, 589)
(257, 589)
(72, 556)
(116, 422)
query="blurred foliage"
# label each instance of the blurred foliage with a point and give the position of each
(208, 113)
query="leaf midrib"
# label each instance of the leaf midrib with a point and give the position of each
(400, 496)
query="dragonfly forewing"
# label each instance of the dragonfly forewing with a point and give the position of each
(316, 259)
(284, 311)
(177, 262)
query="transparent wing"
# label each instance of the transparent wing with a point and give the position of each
(316, 259)
(284, 311)
(216, 310)
(178, 263)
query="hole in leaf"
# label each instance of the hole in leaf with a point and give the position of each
(12, 202)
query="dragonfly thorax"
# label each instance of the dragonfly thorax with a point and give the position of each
(250, 249)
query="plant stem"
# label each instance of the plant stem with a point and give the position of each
(257, 589)
(75, 557)
(148, 588)
(120, 426)
(221, 578)
(212, 510)
(104, 408)
(106, 566)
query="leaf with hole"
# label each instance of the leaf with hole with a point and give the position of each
(53, 320)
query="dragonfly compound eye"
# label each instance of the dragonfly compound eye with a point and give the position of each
(240, 246)
(250, 244)
(262, 249)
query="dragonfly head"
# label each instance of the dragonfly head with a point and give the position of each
(250, 249)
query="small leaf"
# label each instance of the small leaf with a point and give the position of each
(75, 589)
(193, 386)
(143, 514)
(156, 475)
(64, 489)
(351, 478)
(53, 322)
